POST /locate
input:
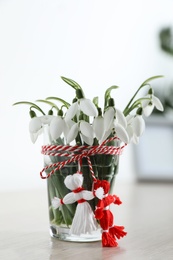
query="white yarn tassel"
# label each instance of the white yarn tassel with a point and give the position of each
(99, 193)
(83, 221)
(73, 181)
(56, 202)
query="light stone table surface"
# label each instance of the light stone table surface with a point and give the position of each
(146, 213)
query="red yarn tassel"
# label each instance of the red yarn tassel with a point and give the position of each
(117, 231)
(105, 216)
(108, 240)
(98, 213)
(117, 200)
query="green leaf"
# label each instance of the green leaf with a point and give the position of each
(71, 82)
(59, 99)
(96, 101)
(30, 104)
(150, 79)
(108, 94)
(108, 91)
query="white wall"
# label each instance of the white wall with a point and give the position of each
(97, 43)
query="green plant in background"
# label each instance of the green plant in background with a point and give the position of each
(166, 40)
(166, 94)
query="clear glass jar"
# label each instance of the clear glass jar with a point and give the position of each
(105, 168)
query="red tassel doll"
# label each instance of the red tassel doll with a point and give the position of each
(109, 231)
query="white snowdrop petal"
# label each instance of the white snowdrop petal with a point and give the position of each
(121, 118)
(145, 102)
(72, 111)
(121, 133)
(129, 130)
(33, 137)
(98, 127)
(87, 140)
(69, 123)
(35, 125)
(72, 133)
(109, 118)
(86, 129)
(105, 136)
(38, 133)
(66, 129)
(56, 127)
(46, 119)
(129, 119)
(157, 103)
(88, 107)
(135, 139)
(138, 125)
(148, 110)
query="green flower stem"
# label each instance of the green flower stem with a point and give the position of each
(107, 95)
(136, 104)
(71, 82)
(56, 188)
(105, 168)
(30, 104)
(65, 103)
(49, 103)
(145, 83)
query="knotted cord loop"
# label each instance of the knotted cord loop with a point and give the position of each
(76, 153)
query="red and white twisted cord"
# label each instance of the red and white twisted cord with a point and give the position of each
(76, 153)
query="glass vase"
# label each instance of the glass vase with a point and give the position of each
(105, 167)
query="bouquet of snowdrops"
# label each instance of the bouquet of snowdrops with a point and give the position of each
(84, 123)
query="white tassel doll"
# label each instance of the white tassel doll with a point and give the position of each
(84, 221)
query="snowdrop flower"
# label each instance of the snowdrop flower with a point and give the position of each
(135, 127)
(98, 125)
(115, 119)
(138, 125)
(36, 126)
(148, 105)
(58, 126)
(82, 104)
(85, 130)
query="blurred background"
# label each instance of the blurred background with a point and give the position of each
(97, 43)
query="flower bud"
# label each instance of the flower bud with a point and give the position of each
(111, 102)
(79, 94)
(74, 100)
(60, 112)
(50, 112)
(150, 91)
(99, 111)
(32, 113)
(139, 111)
